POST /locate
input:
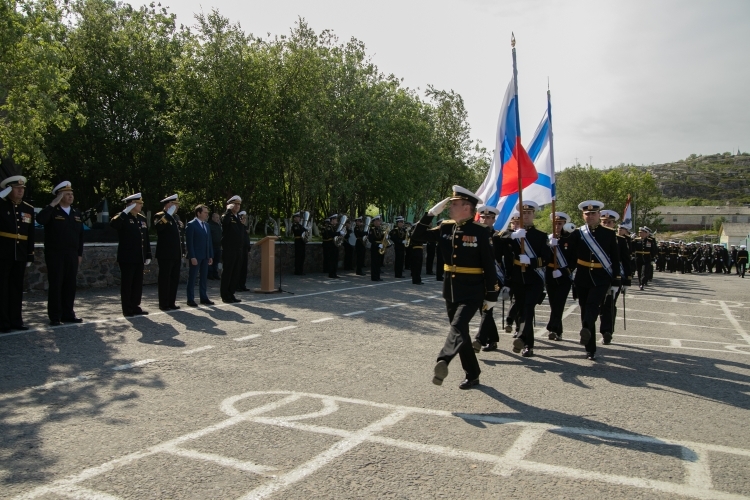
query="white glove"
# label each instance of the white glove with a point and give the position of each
(57, 199)
(553, 242)
(129, 208)
(230, 206)
(5, 192)
(404, 242)
(438, 209)
(148, 261)
(518, 233)
(556, 273)
(569, 227)
(28, 264)
(524, 259)
(171, 209)
(380, 245)
(342, 232)
(505, 293)
(613, 290)
(488, 305)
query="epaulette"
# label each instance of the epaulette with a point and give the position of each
(448, 221)
(159, 214)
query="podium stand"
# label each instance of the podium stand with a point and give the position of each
(267, 265)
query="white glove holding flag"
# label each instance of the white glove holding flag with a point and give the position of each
(5, 192)
(524, 259)
(552, 242)
(148, 261)
(556, 273)
(489, 305)
(518, 233)
(438, 209)
(505, 293)
(129, 208)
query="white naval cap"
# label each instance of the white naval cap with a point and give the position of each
(610, 214)
(234, 199)
(461, 193)
(560, 216)
(743, 246)
(487, 210)
(644, 228)
(63, 186)
(398, 218)
(528, 205)
(515, 214)
(134, 197)
(14, 180)
(377, 217)
(590, 206)
(173, 197)
(333, 216)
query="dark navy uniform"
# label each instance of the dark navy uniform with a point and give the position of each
(470, 279)
(645, 252)
(592, 281)
(430, 259)
(169, 254)
(242, 279)
(608, 314)
(63, 245)
(133, 250)
(375, 236)
(359, 249)
(558, 288)
(348, 250)
(232, 244)
(16, 249)
(488, 334)
(415, 255)
(330, 250)
(298, 230)
(398, 235)
(742, 256)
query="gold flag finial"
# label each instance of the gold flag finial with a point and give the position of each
(512, 39)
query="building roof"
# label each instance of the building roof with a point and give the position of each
(708, 210)
(736, 229)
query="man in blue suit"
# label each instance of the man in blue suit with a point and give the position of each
(200, 254)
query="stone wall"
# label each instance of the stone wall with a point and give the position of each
(99, 266)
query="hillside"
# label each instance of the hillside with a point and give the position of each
(719, 177)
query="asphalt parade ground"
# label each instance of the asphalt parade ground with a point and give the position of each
(327, 393)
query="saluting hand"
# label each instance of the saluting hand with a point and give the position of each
(57, 199)
(438, 209)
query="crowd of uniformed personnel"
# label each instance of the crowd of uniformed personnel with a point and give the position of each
(478, 265)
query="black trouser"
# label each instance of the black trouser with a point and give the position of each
(741, 268)
(213, 269)
(330, 258)
(645, 270)
(527, 296)
(439, 263)
(62, 268)
(590, 300)
(430, 259)
(169, 278)
(374, 262)
(299, 255)
(487, 333)
(242, 277)
(398, 260)
(348, 257)
(459, 340)
(359, 250)
(608, 314)
(719, 266)
(416, 257)
(232, 259)
(512, 318)
(11, 293)
(557, 293)
(131, 287)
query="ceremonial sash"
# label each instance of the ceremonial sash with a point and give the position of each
(596, 249)
(561, 262)
(500, 273)
(532, 257)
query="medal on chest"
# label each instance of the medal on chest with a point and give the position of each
(469, 241)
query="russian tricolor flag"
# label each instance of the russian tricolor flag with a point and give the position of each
(500, 187)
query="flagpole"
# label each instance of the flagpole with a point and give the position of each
(552, 161)
(516, 145)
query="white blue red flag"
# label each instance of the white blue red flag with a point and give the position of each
(500, 187)
(542, 190)
(627, 216)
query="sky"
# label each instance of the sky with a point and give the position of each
(634, 82)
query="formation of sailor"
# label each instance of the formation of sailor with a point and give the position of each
(16, 250)
(559, 273)
(133, 253)
(645, 249)
(63, 252)
(298, 231)
(608, 313)
(470, 280)
(169, 251)
(232, 245)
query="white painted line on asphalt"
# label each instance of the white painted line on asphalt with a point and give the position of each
(135, 364)
(221, 460)
(58, 383)
(283, 328)
(354, 313)
(520, 448)
(672, 323)
(381, 308)
(321, 320)
(677, 314)
(198, 349)
(675, 343)
(674, 299)
(741, 331)
(432, 297)
(418, 300)
(656, 346)
(696, 467)
(79, 492)
(248, 337)
(568, 312)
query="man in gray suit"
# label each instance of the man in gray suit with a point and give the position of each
(200, 254)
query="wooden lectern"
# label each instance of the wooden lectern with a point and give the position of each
(267, 265)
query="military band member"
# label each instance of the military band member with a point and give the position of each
(597, 255)
(168, 252)
(348, 247)
(415, 257)
(645, 250)
(242, 279)
(398, 237)
(298, 230)
(63, 251)
(559, 279)
(742, 256)
(360, 246)
(470, 280)
(133, 253)
(16, 250)
(608, 313)
(232, 243)
(530, 258)
(375, 237)
(330, 250)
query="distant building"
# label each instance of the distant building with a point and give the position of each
(682, 218)
(734, 234)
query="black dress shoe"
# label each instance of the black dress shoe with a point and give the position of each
(128, 314)
(72, 320)
(235, 299)
(552, 336)
(192, 303)
(420, 283)
(20, 328)
(441, 371)
(606, 338)
(477, 346)
(208, 302)
(492, 346)
(527, 352)
(244, 289)
(518, 345)
(165, 308)
(585, 336)
(54, 323)
(468, 384)
(590, 356)
(141, 312)
(174, 307)
(227, 301)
